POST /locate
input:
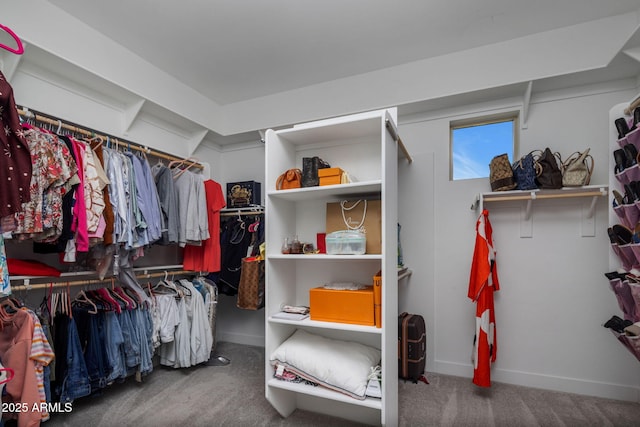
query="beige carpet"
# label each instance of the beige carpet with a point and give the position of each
(233, 395)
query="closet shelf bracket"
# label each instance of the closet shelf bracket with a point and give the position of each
(529, 196)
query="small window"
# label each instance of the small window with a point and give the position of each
(473, 145)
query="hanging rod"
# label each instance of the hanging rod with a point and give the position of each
(43, 118)
(59, 284)
(249, 210)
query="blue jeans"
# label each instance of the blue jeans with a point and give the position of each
(95, 354)
(113, 346)
(76, 381)
(131, 341)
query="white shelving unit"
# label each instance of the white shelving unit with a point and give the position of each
(363, 145)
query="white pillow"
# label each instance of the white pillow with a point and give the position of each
(339, 365)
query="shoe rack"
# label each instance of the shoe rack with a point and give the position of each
(624, 222)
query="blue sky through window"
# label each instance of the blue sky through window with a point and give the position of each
(473, 147)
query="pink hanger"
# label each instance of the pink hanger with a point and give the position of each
(6, 378)
(20, 49)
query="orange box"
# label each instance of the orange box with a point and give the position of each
(342, 306)
(330, 176)
(377, 298)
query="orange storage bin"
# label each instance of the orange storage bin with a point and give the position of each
(330, 176)
(342, 306)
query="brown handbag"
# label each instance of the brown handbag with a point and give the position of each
(251, 285)
(550, 176)
(290, 179)
(577, 169)
(501, 174)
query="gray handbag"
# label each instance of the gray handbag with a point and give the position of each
(577, 169)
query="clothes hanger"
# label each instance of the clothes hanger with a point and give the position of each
(6, 375)
(20, 49)
(193, 162)
(83, 298)
(93, 139)
(118, 292)
(187, 291)
(9, 304)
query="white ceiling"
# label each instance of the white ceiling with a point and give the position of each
(232, 51)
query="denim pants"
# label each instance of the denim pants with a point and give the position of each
(114, 342)
(131, 341)
(76, 380)
(95, 354)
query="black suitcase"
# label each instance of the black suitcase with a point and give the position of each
(412, 347)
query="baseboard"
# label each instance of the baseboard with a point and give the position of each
(546, 382)
(245, 339)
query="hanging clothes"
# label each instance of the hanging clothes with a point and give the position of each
(183, 326)
(483, 282)
(206, 257)
(15, 163)
(5, 283)
(192, 205)
(170, 218)
(107, 213)
(239, 237)
(16, 341)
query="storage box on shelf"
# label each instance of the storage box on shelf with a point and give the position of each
(243, 194)
(330, 176)
(342, 305)
(362, 145)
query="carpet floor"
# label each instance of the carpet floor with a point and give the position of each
(233, 395)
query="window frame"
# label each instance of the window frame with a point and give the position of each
(512, 116)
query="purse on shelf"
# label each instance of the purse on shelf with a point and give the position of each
(290, 179)
(501, 174)
(550, 176)
(525, 172)
(577, 169)
(310, 166)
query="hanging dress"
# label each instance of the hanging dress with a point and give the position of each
(483, 283)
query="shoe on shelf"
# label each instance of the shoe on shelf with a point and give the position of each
(620, 158)
(632, 154)
(622, 126)
(615, 324)
(622, 234)
(618, 198)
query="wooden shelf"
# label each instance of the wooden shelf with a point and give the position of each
(593, 191)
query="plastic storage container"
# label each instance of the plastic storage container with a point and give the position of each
(346, 242)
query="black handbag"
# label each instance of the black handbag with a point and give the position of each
(310, 166)
(550, 176)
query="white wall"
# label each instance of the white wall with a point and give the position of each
(235, 324)
(554, 297)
